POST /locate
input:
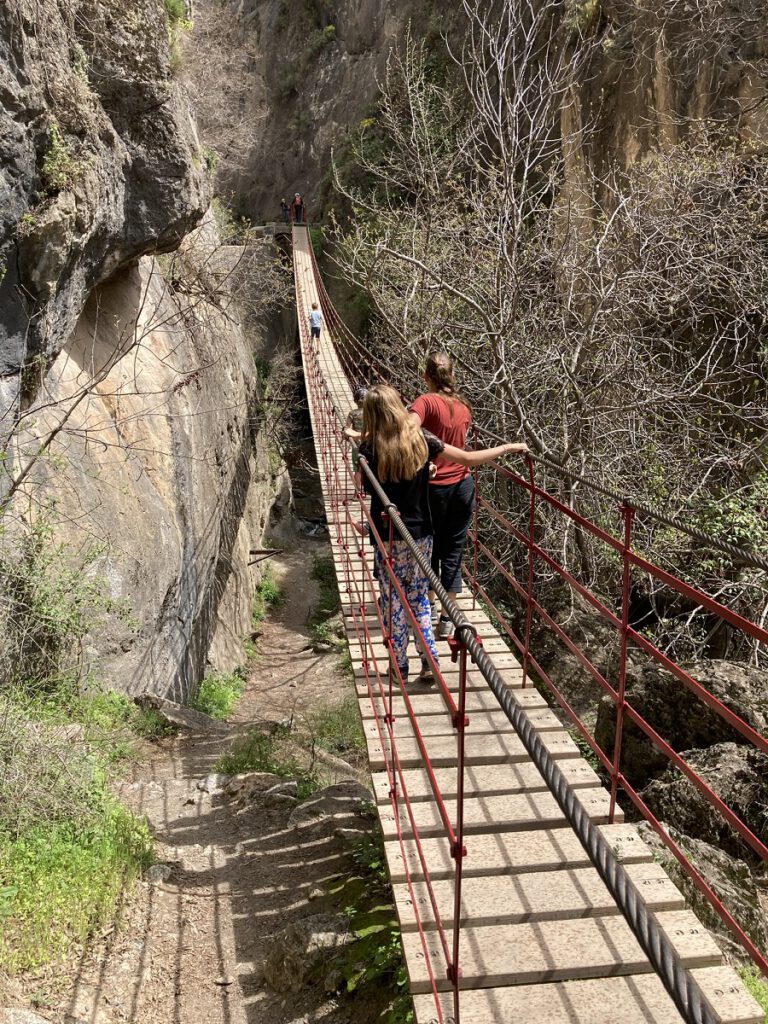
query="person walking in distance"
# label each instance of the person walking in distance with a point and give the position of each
(286, 211)
(297, 209)
(398, 453)
(315, 324)
(444, 412)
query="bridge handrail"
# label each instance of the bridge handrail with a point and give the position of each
(681, 987)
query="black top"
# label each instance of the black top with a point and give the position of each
(411, 497)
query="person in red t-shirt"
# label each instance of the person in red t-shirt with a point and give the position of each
(452, 489)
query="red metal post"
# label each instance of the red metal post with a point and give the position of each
(628, 515)
(459, 851)
(531, 556)
(476, 518)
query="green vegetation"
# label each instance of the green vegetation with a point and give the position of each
(325, 628)
(49, 605)
(219, 692)
(290, 750)
(757, 986)
(268, 595)
(233, 228)
(67, 880)
(270, 751)
(372, 965)
(176, 11)
(67, 848)
(317, 238)
(59, 168)
(337, 728)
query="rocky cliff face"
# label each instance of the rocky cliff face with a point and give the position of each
(162, 466)
(128, 396)
(297, 77)
(100, 165)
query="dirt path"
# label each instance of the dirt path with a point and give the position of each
(190, 949)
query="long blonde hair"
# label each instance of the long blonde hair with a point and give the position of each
(397, 441)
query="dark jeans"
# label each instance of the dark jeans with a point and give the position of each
(452, 507)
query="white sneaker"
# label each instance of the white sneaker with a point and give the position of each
(444, 629)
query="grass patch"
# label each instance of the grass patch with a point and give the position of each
(269, 751)
(337, 728)
(325, 627)
(268, 595)
(757, 986)
(372, 966)
(62, 882)
(219, 693)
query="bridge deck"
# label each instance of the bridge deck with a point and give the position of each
(542, 941)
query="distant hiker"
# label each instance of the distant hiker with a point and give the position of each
(297, 209)
(286, 211)
(315, 323)
(353, 428)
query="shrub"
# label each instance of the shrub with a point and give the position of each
(47, 606)
(219, 693)
(65, 880)
(59, 169)
(176, 11)
(267, 596)
(337, 728)
(270, 751)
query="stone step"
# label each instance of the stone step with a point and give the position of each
(486, 780)
(504, 748)
(511, 853)
(547, 951)
(513, 812)
(535, 896)
(634, 999)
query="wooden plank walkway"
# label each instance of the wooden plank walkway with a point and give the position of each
(542, 941)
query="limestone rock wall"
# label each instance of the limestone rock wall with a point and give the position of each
(297, 77)
(100, 165)
(161, 464)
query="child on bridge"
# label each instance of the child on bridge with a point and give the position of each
(315, 323)
(398, 453)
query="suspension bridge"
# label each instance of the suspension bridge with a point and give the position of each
(522, 894)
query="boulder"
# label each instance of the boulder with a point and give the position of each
(185, 718)
(679, 716)
(300, 952)
(246, 785)
(341, 812)
(214, 782)
(737, 774)
(730, 878)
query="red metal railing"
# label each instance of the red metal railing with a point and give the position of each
(627, 636)
(358, 365)
(384, 681)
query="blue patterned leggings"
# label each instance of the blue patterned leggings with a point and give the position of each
(416, 589)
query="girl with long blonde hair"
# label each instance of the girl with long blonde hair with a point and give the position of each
(399, 452)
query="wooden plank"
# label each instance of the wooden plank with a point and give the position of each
(487, 780)
(511, 853)
(533, 896)
(546, 951)
(512, 812)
